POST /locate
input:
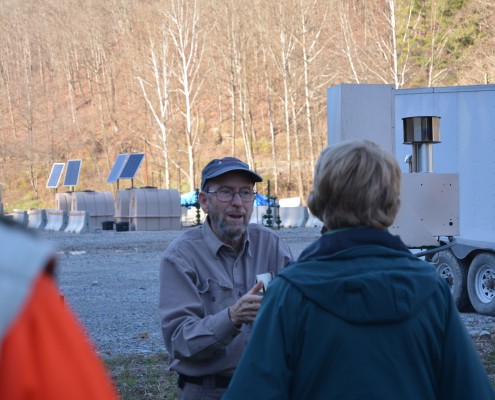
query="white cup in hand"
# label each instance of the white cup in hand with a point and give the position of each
(266, 278)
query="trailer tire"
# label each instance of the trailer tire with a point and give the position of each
(455, 274)
(481, 283)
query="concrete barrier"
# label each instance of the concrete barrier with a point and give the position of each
(313, 222)
(71, 224)
(261, 211)
(78, 222)
(293, 217)
(20, 216)
(290, 202)
(257, 215)
(56, 220)
(36, 219)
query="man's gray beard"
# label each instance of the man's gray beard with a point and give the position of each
(232, 233)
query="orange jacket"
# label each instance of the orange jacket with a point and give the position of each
(47, 355)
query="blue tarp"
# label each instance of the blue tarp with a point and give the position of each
(190, 198)
(261, 200)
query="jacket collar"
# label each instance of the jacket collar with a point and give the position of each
(337, 240)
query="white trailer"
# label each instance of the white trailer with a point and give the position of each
(448, 199)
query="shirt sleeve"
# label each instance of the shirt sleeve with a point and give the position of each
(47, 355)
(286, 253)
(187, 333)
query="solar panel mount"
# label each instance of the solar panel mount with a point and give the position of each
(72, 174)
(55, 175)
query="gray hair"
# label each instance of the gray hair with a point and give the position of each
(355, 183)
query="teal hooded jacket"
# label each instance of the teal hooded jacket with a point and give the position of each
(359, 317)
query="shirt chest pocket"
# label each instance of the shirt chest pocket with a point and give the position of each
(216, 296)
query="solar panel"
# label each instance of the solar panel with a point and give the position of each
(117, 168)
(55, 175)
(131, 166)
(72, 174)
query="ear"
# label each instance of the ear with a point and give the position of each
(203, 201)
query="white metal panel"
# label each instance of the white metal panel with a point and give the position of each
(361, 111)
(429, 208)
(477, 164)
(467, 134)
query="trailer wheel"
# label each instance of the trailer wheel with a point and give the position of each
(481, 283)
(455, 274)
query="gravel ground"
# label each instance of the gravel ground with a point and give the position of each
(110, 279)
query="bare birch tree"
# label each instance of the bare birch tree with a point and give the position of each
(312, 47)
(159, 102)
(9, 125)
(282, 49)
(347, 45)
(271, 123)
(241, 79)
(402, 20)
(28, 111)
(188, 40)
(227, 45)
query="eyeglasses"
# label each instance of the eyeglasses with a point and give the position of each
(246, 195)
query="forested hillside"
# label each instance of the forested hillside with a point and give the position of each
(184, 81)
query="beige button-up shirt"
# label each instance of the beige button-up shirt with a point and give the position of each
(200, 277)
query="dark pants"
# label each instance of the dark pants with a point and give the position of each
(209, 389)
(191, 391)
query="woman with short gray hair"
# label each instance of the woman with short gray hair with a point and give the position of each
(356, 183)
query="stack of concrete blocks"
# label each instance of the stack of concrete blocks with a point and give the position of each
(292, 214)
(153, 209)
(99, 205)
(36, 219)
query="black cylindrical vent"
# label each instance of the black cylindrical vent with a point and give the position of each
(421, 130)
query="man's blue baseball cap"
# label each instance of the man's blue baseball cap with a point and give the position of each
(220, 166)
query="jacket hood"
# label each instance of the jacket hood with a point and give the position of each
(362, 275)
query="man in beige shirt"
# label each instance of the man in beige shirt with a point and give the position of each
(209, 297)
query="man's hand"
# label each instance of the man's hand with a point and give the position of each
(246, 308)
